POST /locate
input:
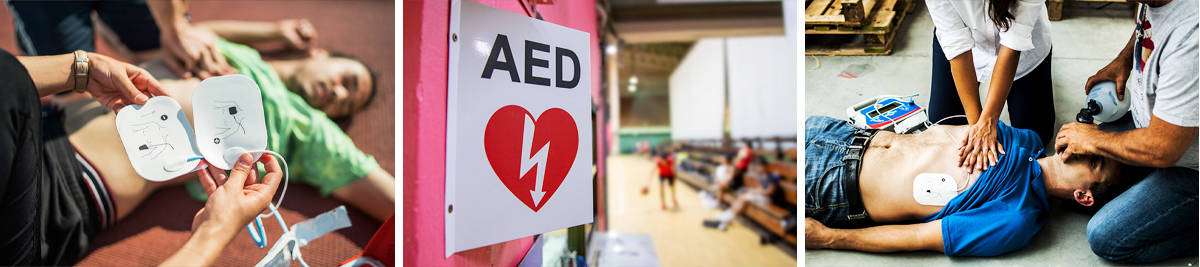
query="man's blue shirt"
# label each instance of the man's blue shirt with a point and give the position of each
(1003, 210)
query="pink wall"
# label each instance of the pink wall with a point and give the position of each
(426, 24)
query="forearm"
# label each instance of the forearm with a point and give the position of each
(1126, 55)
(375, 194)
(245, 32)
(962, 69)
(50, 74)
(1003, 74)
(886, 238)
(169, 14)
(1139, 147)
(202, 248)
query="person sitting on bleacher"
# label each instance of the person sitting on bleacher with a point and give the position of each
(721, 174)
(744, 156)
(768, 194)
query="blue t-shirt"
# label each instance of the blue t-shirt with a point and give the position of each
(1004, 209)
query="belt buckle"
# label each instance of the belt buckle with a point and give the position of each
(855, 143)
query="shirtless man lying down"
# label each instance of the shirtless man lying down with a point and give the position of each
(860, 195)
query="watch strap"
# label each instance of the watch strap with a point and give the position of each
(80, 70)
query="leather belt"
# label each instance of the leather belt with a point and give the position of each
(851, 165)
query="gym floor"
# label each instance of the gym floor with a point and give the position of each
(1084, 41)
(678, 236)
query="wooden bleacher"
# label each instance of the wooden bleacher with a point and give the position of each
(697, 160)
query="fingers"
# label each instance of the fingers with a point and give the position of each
(979, 161)
(212, 63)
(205, 67)
(1087, 86)
(206, 180)
(274, 175)
(309, 34)
(991, 155)
(964, 150)
(191, 57)
(216, 62)
(253, 177)
(991, 158)
(144, 81)
(1121, 89)
(237, 176)
(113, 103)
(176, 66)
(218, 175)
(970, 160)
(219, 59)
(967, 156)
(187, 60)
(128, 91)
(1062, 140)
(1060, 144)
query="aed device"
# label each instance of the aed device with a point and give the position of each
(892, 113)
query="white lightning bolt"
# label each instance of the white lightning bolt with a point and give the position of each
(538, 158)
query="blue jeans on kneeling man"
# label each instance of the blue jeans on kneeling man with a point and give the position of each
(1155, 220)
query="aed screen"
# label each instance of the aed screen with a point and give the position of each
(885, 109)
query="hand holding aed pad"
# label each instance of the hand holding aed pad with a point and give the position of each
(229, 122)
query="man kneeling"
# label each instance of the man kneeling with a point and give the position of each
(860, 190)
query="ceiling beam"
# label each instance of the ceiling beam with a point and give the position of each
(694, 29)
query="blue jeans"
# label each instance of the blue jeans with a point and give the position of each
(1154, 220)
(59, 27)
(826, 141)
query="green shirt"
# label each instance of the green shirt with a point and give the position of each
(317, 151)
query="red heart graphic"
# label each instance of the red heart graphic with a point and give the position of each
(517, 161)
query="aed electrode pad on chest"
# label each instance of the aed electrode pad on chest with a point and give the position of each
(229, 121)
(934, 189)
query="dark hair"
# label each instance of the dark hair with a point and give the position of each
(1000, 11)
(1104, 191)
(374, 76)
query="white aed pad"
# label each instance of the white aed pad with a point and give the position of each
(229, 114)
(158, 139)
(934, 189)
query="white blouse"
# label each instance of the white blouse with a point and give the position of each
(965, 25)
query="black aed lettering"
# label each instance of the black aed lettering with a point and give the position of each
(559, 52)
(501, 46)
(531, 62)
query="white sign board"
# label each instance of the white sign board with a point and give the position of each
(518, 127)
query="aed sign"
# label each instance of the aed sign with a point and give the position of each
(518, 127)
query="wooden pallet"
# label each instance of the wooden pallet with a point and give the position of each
(1054, 7)
(839, 12)
(876, 38)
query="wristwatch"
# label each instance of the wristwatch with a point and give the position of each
(80, 71)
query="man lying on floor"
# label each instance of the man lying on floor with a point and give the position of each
(860, 190)
(317, 150)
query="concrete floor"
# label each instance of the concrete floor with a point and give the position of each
(1086, 40)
